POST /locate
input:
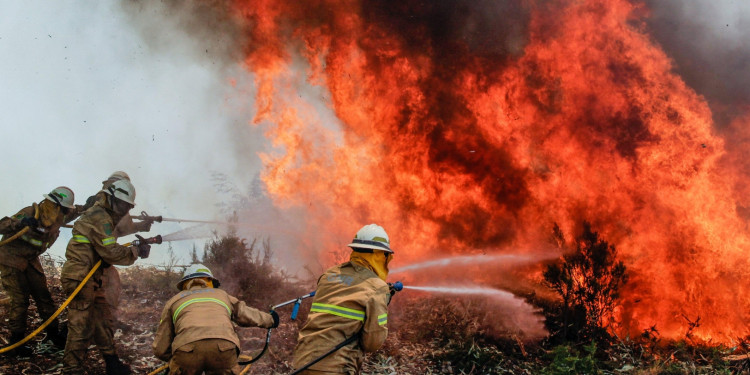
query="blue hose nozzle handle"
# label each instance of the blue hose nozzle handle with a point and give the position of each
(397, 286)
(295, 309)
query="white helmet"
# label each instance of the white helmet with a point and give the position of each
(117, 175)
(371, 236)
(197, 270)
(61, 195)
(123, 190)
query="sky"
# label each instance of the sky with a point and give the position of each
(83, 95)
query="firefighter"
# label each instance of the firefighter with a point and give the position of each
(195, 332)
(110, 276)
(351, 299)
(94, 240)
(20, 269)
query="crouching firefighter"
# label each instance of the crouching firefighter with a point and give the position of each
(26, 235)
(350, 309)
(195, 332)
(93, 241)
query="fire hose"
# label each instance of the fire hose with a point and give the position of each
(250, 359)
(394, 287)
(153, 240)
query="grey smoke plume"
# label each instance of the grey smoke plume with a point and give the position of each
(710, 44)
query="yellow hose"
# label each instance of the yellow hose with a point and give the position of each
(22, 231)
(59, 310)
(242, 357)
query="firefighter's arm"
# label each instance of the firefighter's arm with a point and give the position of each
(247, 316)
(12, 224)
(162, 345)
(105, 244)
(375, 327)
(9, 225)
(125, 226)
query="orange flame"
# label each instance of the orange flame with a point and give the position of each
(456, 150)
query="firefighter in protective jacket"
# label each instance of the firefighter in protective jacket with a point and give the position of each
(93, 240)
(352, 298)
(195, 332)
(111, 285)
(20, 269)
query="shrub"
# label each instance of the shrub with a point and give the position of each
(245, 270)
(566, 360)
(588, 280)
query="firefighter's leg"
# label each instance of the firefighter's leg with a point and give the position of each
(44, 302)
(80, 329)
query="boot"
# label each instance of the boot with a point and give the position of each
(21, 351)
(115, 367)
(58, 338)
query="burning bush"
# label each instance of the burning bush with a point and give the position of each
(588, 279)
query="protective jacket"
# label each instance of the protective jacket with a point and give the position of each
(25, 250)
(94, 240)
(202, 312)
(350, 298)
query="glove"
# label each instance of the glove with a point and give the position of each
(275, 317)
(30, 222)
(144, 226)
(144, 249)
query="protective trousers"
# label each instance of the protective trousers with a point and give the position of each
(212, 356)
(86, 321)
(110, 291)
(19, 285)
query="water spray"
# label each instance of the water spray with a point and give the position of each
(465, 260)
(146, 217)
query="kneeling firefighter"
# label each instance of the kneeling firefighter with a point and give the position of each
(195, 332)
(350, 309)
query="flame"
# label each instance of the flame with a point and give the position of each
(456, 150)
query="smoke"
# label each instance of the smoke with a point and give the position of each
(708, 41)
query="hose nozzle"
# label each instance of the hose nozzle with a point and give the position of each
(396, 287)
(151, 241)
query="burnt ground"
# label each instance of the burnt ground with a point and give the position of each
(145, 290)
(427, 336)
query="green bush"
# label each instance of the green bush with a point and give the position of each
(567, 361)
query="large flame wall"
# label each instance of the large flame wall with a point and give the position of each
(460, 137)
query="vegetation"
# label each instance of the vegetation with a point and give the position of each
(428, 334)
(588, 281)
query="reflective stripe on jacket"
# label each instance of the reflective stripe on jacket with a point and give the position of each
(350, 298)
(25, 249)
(93, 240)
(203, 313)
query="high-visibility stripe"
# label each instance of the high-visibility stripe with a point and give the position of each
(108, 241)
(382, 319)
(32, 241)
(196, 300)
(338, 311)
(81, 239)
